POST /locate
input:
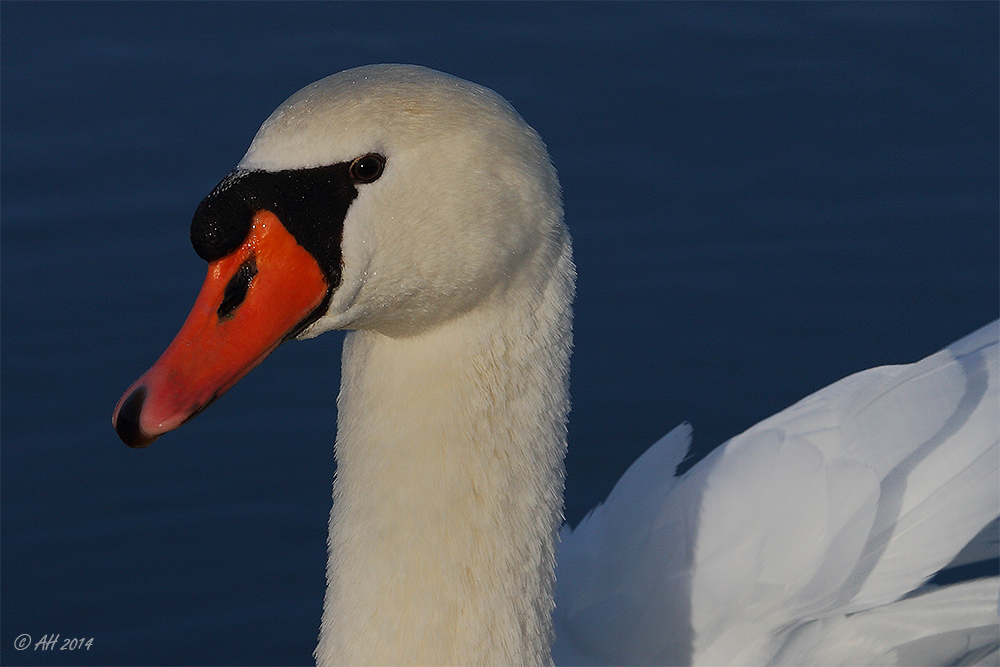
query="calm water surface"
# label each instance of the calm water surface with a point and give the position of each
(764, 198)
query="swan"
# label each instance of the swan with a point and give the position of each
(422, 214)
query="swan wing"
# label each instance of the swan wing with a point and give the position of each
(842, 504)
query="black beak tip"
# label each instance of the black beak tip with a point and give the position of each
(127, 422)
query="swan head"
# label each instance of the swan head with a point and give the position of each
(390, 198)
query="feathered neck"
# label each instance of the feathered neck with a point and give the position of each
(448, 492)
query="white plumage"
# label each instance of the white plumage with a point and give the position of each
(808, 538)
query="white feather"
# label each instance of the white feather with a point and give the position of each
(842, 504)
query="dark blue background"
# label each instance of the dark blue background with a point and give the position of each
(764, 198)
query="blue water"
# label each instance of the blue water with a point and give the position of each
(764, 198)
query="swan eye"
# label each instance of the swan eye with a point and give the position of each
(367, 168)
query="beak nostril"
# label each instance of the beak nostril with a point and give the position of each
(237, 287)
(127, 420)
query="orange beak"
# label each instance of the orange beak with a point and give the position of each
(251, 301)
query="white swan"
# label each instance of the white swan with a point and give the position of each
(422, 213)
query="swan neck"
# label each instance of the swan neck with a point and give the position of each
(448, 493)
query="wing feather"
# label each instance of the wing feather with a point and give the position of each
(827, 518)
